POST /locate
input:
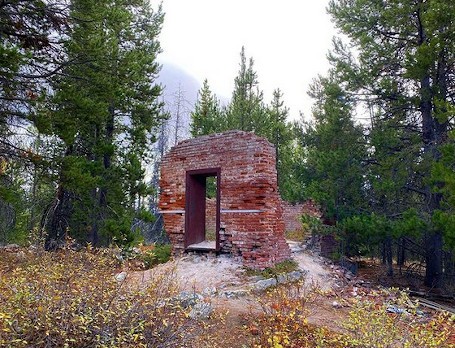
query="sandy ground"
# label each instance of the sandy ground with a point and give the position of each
(204, 273)
(212, 276)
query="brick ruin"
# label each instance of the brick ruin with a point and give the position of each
(245, 212)
(292, 214)
(324, 245)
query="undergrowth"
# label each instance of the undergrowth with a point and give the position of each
(148, 256)
(271, 272)
(296, 235)
(72, 299)
(283, 322)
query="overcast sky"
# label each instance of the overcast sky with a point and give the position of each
(288, 40)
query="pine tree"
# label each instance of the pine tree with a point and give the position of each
(105, 112)
(335, 151)
(404, 73)
(207, 116)
(279, 132)
(30, 55)
(246, 110)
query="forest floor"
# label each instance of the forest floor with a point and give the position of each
(227, 286)
(318, 305)
(224, 282)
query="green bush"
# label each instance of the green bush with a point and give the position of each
(271, 272)
(161, 253)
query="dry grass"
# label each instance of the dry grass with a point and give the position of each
(72, 299)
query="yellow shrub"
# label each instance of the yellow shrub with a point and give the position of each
(283, 322)
(72, 299)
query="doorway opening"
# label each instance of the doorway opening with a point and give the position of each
(202, 211)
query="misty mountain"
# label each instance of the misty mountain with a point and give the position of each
(174, 78)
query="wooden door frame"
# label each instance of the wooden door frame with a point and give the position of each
(202, 173)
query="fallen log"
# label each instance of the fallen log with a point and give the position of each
(434, 305)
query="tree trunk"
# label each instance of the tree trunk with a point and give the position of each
(388, 255)
(401, 252)
(107, 163)
(433, 274)
(433, 134)
(93, 230)
(55, 221)
(449, 267)
(56, 218)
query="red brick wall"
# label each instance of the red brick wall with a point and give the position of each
(210, 209)
(293, 212)
(248, 181)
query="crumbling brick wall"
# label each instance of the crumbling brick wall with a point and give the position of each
(210, 224)
(293, 212)
(248, 182)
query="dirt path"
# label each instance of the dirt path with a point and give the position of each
(209, 274)
(223, 282)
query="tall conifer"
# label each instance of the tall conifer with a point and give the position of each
(105, 111)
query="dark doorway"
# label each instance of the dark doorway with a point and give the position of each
(201, 230)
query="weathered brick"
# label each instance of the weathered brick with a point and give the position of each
(248, 182)
(293, 212)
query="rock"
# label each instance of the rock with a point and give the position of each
(235, 293)
(121, 276)
(10, 247)
(295, 247)
(396, 310)
(354, 291)
(256, 278)
(188, 299)
(282, 278)
(295, 276)
(209, 292)
(263, 285)
(349, 276)
(335, 304)
(290, 277)
(201, 310)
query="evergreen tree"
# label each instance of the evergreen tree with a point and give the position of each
(30, 55)
(246, 110)
(279, 132)
(207, 116)
(404, 71)
(443, 176)
(335, 151)
(105, 111)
